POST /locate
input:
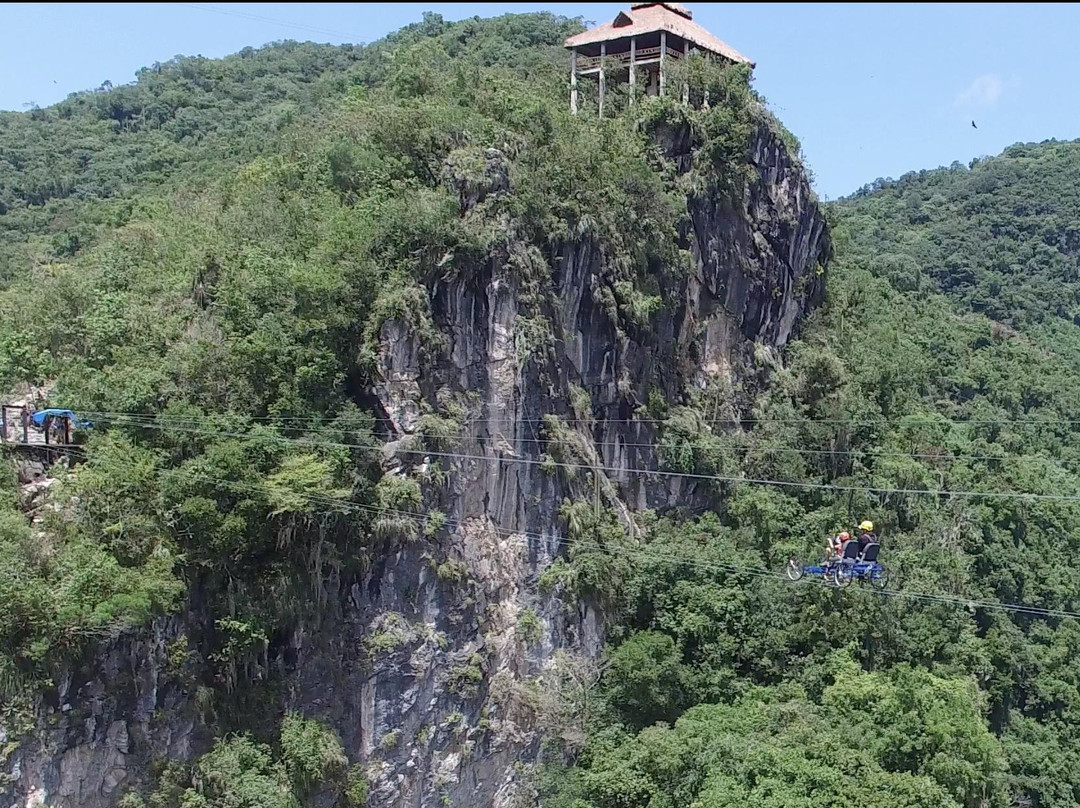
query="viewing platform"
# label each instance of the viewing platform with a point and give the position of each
(634, 47)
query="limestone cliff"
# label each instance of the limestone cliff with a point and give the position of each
(427, 664)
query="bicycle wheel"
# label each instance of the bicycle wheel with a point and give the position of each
(881, 581)
(843, 577)
(794, 569)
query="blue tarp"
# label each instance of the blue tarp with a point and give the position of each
(39, 417)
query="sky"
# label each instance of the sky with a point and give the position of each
(870, 90)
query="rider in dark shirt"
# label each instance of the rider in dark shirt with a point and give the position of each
(866, 534)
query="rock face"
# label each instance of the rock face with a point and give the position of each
(438, 664)
(102, 727)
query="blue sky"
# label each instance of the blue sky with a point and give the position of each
(871, 90)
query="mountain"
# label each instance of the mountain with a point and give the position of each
(1001, 235)
(351, 386)
(449, 448)
(70, 171)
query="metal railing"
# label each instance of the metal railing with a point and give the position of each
(585, 63)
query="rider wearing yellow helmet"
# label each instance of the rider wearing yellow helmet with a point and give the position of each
(866, 533)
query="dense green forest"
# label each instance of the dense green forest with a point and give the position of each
(214, 249)
(901, 382)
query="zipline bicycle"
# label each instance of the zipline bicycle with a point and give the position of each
(855, 563)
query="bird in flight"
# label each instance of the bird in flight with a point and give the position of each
(973, 126)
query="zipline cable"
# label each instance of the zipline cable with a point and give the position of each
(912, 420)
(551, 463)
(618, 445)
(660, 556)
(559, 540)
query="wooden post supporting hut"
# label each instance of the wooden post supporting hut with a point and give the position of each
(641, 39)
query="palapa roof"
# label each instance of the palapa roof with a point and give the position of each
(649, 18)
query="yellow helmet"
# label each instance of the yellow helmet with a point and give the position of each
(866, 525)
